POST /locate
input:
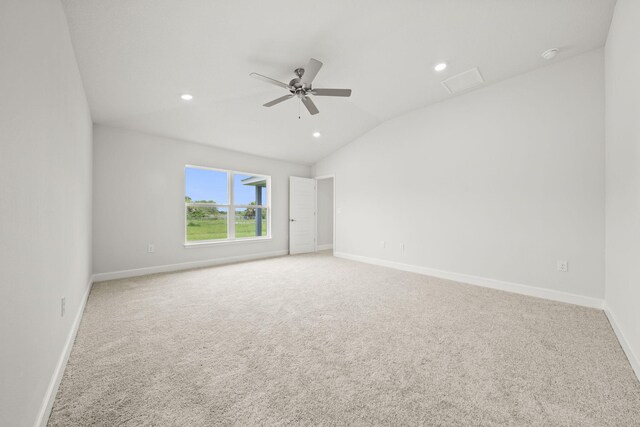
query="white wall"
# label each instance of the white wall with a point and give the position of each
(139, 199)
(324, 211)
(498, 183)
(45, 204)
(623, 176)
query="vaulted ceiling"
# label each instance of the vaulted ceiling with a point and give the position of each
(137, 56)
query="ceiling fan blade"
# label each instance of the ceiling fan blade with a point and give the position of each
(279, 100)
(310, 105)
(269, 80)
(310, 71)
(331, 92)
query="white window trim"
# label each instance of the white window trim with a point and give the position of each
(231, 210)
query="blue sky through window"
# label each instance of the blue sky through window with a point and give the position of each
(203, 184)
(211, 185)
(246, 194)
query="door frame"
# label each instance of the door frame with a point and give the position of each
(319, 178)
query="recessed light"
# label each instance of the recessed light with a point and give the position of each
(316, 134)
(186, 97)
(550, 54)
(440, 67)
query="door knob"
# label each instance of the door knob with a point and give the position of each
(292, 220)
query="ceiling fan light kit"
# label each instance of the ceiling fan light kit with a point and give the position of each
(301, 87)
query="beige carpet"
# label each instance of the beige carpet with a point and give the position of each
(316, 340)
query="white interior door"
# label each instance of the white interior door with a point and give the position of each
(302, 210)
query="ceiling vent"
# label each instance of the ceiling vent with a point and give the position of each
(463, 81)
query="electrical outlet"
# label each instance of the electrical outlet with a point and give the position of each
(563, 266)
(63, 306)
(383, 244)
(402, 248)
(151, 248)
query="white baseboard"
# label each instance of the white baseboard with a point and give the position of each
(634, 360)
(482, 281)
(325, 247)
(123, 274)
(54, 383)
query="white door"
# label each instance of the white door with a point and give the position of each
(302, 210)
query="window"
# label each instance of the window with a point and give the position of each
(224, 205)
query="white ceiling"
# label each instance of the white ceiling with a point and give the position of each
(137, 56)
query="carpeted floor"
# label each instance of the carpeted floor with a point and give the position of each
(316, 340)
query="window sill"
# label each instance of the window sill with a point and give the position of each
(225, 242)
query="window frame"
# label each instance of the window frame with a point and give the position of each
(231, 209)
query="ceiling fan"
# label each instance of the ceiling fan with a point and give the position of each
(301, 86)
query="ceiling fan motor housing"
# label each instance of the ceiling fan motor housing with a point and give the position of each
(296, 86)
